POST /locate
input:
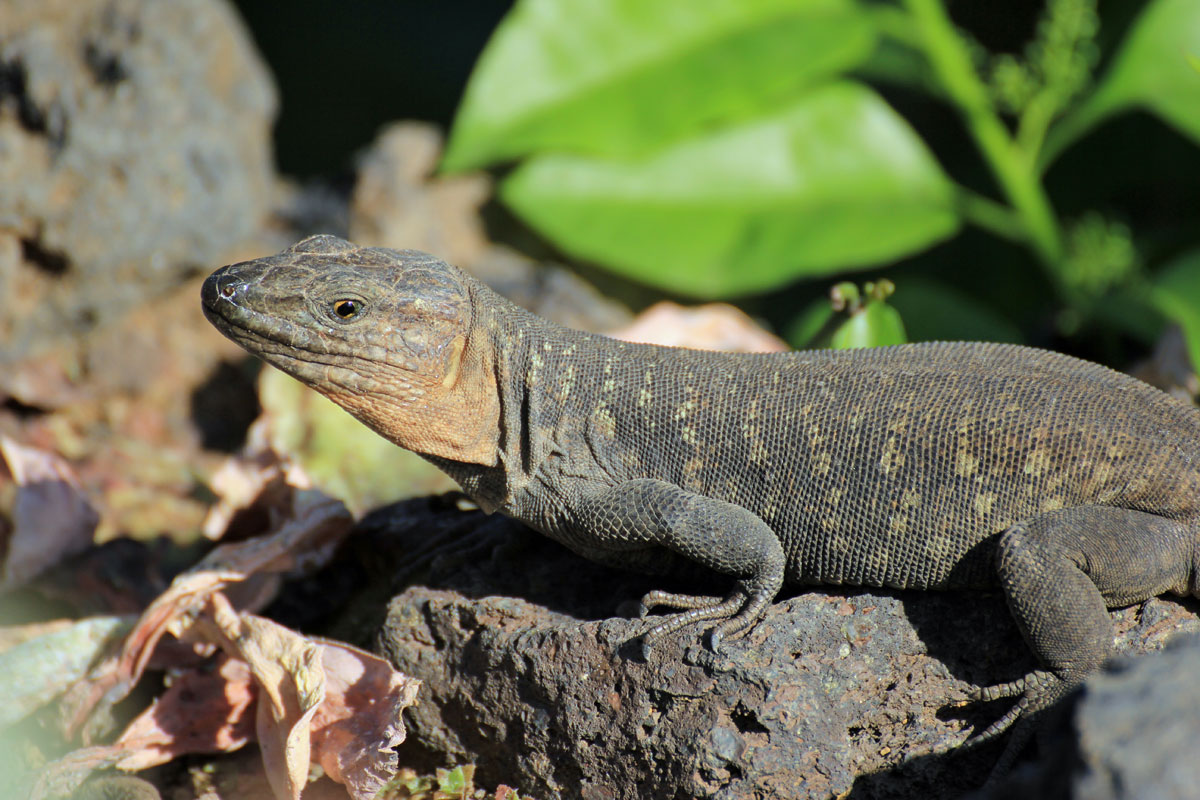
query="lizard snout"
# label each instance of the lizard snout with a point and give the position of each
(221, 285)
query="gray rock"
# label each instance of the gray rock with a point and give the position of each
(134, 149)
(533, 673)
(1139, 727)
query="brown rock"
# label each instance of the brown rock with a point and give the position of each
(399, 203)
(134, 148)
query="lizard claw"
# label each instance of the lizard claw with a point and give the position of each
(698, 609)
(737, 612)
(1036, 691)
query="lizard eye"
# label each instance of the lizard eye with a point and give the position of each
(347, 309)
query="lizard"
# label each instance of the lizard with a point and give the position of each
(1070, 487)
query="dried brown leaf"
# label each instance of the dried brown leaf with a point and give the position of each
(318, 523)
(714, 326)
(110, 681)
(360, 722)
(321, 700)
(203, 711)
(52, 518)
(291, 680)
(318, 526)
(260, 479)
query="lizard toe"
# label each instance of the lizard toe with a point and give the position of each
(718, 608)
(1038, 692)
(751, 612)
(658, 599)
(736, 613)
(1021, 686)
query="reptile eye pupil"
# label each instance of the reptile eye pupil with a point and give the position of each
(346, 309)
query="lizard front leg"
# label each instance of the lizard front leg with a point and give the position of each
(1060, 573)
(637, 514)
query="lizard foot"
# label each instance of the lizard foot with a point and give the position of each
(1037, 691)
(738, 612)
(1030, 684)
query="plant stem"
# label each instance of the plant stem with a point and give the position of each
(1069, 128)
(1013, 170)
(1031, 131)
(996, 218)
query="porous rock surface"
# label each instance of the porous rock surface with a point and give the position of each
(532, 672)
(134, 150)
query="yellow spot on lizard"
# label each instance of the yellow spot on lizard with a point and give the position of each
(1036, 463)
(1051, 504)
(891, 460)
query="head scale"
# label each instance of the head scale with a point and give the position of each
(385, 334)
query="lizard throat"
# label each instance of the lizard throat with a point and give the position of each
(456, 418)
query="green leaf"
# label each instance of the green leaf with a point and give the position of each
(455, 781)
(1151, 70)
(622, 77)
(877, 324)
(804, 328)
(935, 311)
(891, 62)
(36, 671)
(834, 180)
(1176, 293)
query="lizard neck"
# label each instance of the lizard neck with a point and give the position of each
(519, 414)
(458, 419)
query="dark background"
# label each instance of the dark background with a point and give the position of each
(345, 69)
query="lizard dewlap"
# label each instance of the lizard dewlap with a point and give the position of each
(1071, 487)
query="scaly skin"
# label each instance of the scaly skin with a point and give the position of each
(1072, 487)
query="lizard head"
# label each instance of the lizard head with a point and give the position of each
(386, 334)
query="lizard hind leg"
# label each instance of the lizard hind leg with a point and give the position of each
(1060, 572)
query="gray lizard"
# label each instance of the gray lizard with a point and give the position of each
(1071, 487)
